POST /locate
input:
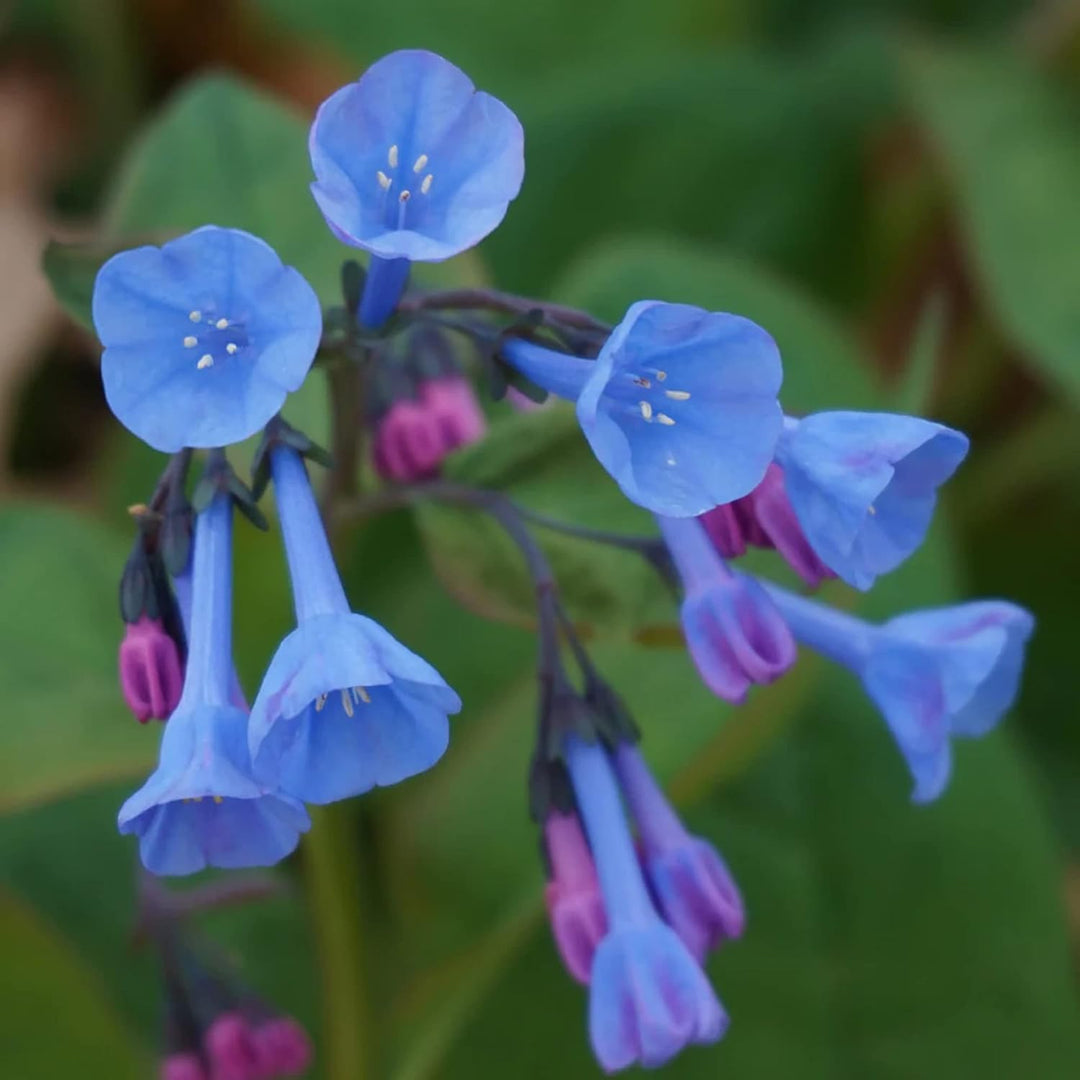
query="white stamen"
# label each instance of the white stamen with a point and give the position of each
(646, 410)
(678, 395)
(418, 165)
(205, 361)
(190, 341)
(231, 348)
(346, 702)
(661, 376)
(663, 418)
(392, 156)
(195, 316)
(671, 459)
(384, 180)
(425, 187)
(872, 509)
(640, 380)
(222, 323)
(320, 702)
(361, 695)
(405, 195)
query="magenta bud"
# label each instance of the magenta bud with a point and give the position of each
(283, 1047)
(574, 902)
(186, 1066)
(151, 675)
(231, 1049)
(773, 512)
(455, 410)
(725, 530)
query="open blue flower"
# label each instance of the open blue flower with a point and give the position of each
(648, 998)
(863, 485)
(412, 163)
(344, 707)
(201, 806)
(204, 337)
(933, 674)
(680, 406)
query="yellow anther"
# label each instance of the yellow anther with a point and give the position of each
(320, 703)
(384, 180)
(205, 361)
(362, 694)
(646, 410)
(197, 798)
(663, 418)
(678, 395)
(346, 702)
(425, 187)
(661, 376)
(231, 348)
(195, 316)
(872, 509)
(405, 195)
(392, 156)
(221, 323)
(419, 163)
(190, 341)
(137, 509)
(218, 799)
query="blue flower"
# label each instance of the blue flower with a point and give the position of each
(413, 163)
(863, 485)
(201, 806)
(694, 890)
(343, 707)
(648, 998)
(734, 633)
(933, 674)
(204, 337)
(680, 406)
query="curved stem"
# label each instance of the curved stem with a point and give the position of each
(506, 303)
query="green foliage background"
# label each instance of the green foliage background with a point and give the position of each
(892, 189)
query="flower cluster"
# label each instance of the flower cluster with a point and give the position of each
(203, 340)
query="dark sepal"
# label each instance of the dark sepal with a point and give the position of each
(502, 375)
(219, 476)
(245, 501)
(352, 287)
(138, 590)
(280, 433)
(549, 788)
(614, 723)
(175, 534)
(430, 352)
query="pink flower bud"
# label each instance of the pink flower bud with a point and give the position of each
(151, 676)
(186, 1066)
(231, 1049)
(283, 1047)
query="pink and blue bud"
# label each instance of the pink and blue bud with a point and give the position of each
(863, 485)
(204, 337)
(734, 633)
(934, 674)
(202, 805)
(680, 406)
(343, 707)
(412, 163)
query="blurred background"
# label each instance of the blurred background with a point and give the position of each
(893, 189)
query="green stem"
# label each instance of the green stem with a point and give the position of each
(334, 897)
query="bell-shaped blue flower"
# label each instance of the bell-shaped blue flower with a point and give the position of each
(412, 163)
(680, 406)
(202, 806)
(204, 337)
(692, 885)
(933, 674)
(863, 485)
(648, 998)
(734, 633)
(343, 707)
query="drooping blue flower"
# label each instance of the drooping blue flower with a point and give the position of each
(680, 406)
(648, 998)
(734, 633)
(863, 485)
(204, 337)
(343, 707)
(933, 674)
(412, 163)
(201, 806)
(693, 887)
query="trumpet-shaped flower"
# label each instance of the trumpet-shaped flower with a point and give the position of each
(204, 337)
(201, 806)
(680, 406)
(863, 485)
(933, 674)
(343, 707)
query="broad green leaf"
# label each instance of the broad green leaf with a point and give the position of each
(1010, 144)
(65, 725)
(57, 1021)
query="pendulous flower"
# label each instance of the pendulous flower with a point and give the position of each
(863, 485)
(680, 406)
(734, 633)
(204, 337)
(151, 674)
(648, 998)
(344, 707)
(933, 674)
(412, 163)
(202, 806)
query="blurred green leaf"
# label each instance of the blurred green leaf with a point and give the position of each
(65, 725)
(1010, 144)
(57, 1021)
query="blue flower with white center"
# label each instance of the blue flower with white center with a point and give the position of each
(933, 674)
(344, 707)
(202, 806)
(204, 337)
(863, 485)
(412, 163)
(648, 998)
(680, 406)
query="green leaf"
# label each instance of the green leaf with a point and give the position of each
(1008, 140)
(57, 1021)
(65, 725)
